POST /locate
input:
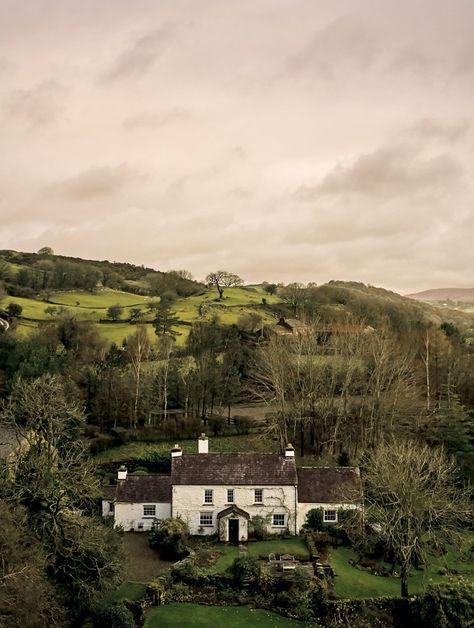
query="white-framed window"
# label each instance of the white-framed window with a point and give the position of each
(258, 495)
(330, 516)
(208, 496)
(230, 495)
(205, 519)
(149, 510)
(279, 521)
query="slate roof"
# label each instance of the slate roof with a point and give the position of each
(327, 485)
(234, 469)
(144, 488)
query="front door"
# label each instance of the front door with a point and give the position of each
(233, 530)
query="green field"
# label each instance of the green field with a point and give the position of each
(102, 299)
(135, 451)
(92, 306)
(197, 616)
(351, 582)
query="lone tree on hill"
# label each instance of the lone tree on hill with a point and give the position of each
(114, 312)
(411, 496)
(165, 320)
(223, 279)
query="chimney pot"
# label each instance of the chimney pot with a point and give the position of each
(289, 451)
(176, 452)
(203, 444)
(122, 473)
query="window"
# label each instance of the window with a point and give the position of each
(258, 495)
(205, 519)
(230, 495)
(278, 520)
(208, 496)
(140, 526)
(330, 515)
(149, 511)
(111, 507)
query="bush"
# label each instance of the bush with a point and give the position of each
(169, 537)
(258, 525)
(245, 570)
(113, 616)
(446, 606)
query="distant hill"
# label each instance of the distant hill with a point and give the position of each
(462, 295)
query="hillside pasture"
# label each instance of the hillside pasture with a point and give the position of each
(224, 444)
(100, 300)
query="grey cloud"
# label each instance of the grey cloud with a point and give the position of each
(141, 55)
(157, 120)
(388, 171)
(93, 183)
(344, 44)
(412, 59)
(432, 128)
(38, 105)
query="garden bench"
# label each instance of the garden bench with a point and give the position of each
(288, 562)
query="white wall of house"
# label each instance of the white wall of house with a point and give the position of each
(304, 508)
(108, 508)
(131, 515)
(189, 502)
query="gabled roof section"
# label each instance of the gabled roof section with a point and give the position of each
(233, 510)
(144, 488)
(234, 470)
(329, 485)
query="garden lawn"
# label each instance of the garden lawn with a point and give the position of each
(355, 583)
(129, 590)
(197, 616)
(294, 546)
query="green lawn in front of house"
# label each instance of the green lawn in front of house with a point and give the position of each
(198, 616)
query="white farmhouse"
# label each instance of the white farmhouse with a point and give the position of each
(217, 493)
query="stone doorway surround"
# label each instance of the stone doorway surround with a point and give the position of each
(224, 518)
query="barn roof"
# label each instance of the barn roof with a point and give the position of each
(144, 488)
(234, 469)
(326, 485)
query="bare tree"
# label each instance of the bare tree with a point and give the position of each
(138, 349)
(223, 279)
(412, 498)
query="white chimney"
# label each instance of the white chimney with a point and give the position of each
(203, 444)
(122, 473)
(176, 452)
(289, 451)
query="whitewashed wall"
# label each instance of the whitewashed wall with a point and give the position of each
(304, 508)
(129, 515)
(188, 503)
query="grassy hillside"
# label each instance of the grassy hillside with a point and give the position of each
(92, 307)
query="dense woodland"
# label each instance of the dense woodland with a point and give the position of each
(366, 365)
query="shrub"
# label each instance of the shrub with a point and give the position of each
(446, 606)
(245, 570)
(113, 616)
(258, 527)
(169, 537)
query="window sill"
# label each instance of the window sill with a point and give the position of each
(206, 525)
(149, 517)
(258, 504)
(278, 526)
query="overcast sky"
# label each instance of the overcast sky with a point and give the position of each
(283, 140)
